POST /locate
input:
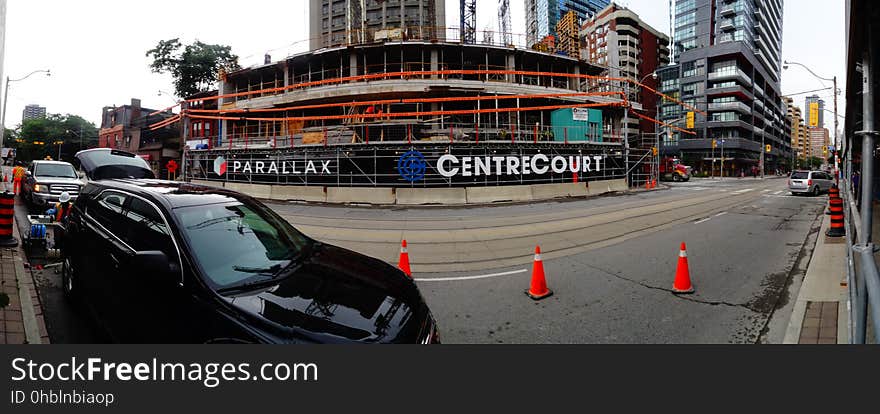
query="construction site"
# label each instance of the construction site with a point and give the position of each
(383, 110)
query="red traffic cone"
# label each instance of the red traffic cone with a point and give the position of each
(538, 289)
(403, 263)
(683, 274)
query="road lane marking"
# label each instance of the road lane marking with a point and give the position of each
(778, 193)
(744, 191)
(703, 220)
(454, 279)
(721, 214)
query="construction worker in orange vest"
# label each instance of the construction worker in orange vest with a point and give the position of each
(62, 207)
(18, 173)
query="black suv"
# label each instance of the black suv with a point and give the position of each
(169, 262)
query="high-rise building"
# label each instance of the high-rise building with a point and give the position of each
(800, 142)
(543, 15)
(617, 39)
(343, 22)
(819, 142)
(33, 112)
(821, 118)
(728, 66)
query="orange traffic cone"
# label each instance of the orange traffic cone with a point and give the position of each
(683, 274)
(403, 263)
(538, 290)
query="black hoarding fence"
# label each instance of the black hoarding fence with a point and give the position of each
(414, 165)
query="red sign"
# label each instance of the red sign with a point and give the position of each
(172, 166)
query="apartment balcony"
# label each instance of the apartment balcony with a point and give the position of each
(738, 75)
(727, 10)
(730, 106)
(727, 25)
(738, 91)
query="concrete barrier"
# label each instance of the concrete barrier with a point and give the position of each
(481, 195)
(218, 184)
(600, 187)
(298, 193)
(369, 195)
(263, 191)
(421, 196)
(619, 185)
(549, 191)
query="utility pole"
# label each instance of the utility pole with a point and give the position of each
(836, 138)
(626, 131)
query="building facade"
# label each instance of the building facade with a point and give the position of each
(33, 112)
(343, 22)
(819, 142)
(800, 142)
(821, 118)
(728, 66)
(127, 128)
(627, 47)
(543, 15)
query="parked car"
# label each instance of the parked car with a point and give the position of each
(44, 182)
(169, 262)
(810, 182)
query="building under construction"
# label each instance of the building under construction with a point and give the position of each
(386, 113)
(343, 22)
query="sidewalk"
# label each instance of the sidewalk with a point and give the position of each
(820, 313)
(21, 321)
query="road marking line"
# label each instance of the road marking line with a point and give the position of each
(721, 214)
(454, 279)
(744, 191)
(703, 220)
(778, 193)
(766, 191)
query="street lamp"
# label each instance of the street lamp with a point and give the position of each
(836, 120)
(6, 102)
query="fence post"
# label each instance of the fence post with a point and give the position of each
(451, 135)
(409, 134)
(325, 136)
(367, 134)
(536, 133)
(477, 129)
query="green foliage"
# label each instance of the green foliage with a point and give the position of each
(36, 138)
(195, 68)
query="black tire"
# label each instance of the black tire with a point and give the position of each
(69, 282)
(816, 191)
(676, 178)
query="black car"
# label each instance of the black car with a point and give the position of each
(168, 262)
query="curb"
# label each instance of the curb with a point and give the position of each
(26, 282)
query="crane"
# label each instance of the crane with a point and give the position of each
(468, 21)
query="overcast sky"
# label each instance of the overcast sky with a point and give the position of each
(96, 49)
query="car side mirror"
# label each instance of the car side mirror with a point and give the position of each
(151, 262)
(28, 173)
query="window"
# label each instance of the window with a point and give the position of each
(106, 209)
(54, 170)
(145, 229)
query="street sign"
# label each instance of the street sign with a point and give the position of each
(690, 120)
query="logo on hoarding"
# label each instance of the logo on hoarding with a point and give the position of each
(411, 166)
(220, 166)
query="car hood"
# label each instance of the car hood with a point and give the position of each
(337, 295)
(58, 180)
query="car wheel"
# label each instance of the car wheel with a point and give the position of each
(816, 191)
(676, 178)
(69, 281)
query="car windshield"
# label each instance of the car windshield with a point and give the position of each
(239, 243)
(800, 175)
(54, 170)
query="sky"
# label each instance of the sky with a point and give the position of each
(96, 49)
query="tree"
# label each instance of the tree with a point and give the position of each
(37, 138)
(195, 68)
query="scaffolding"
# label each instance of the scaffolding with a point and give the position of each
(568, 41)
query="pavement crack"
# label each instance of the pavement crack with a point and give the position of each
(670, 291)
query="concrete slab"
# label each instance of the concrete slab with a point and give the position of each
(821, 284)
(369, 195)
(421, 196)
(549, 191)
(481, 195)
(263, 191)
(600, 187)
(298, 193)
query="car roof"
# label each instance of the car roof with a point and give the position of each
(173, 194)
(51, 162)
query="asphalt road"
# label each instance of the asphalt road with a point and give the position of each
(610, 261)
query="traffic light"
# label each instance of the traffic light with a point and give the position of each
(690, 120)
(654, 151)
(769, 148)
(714, 144)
